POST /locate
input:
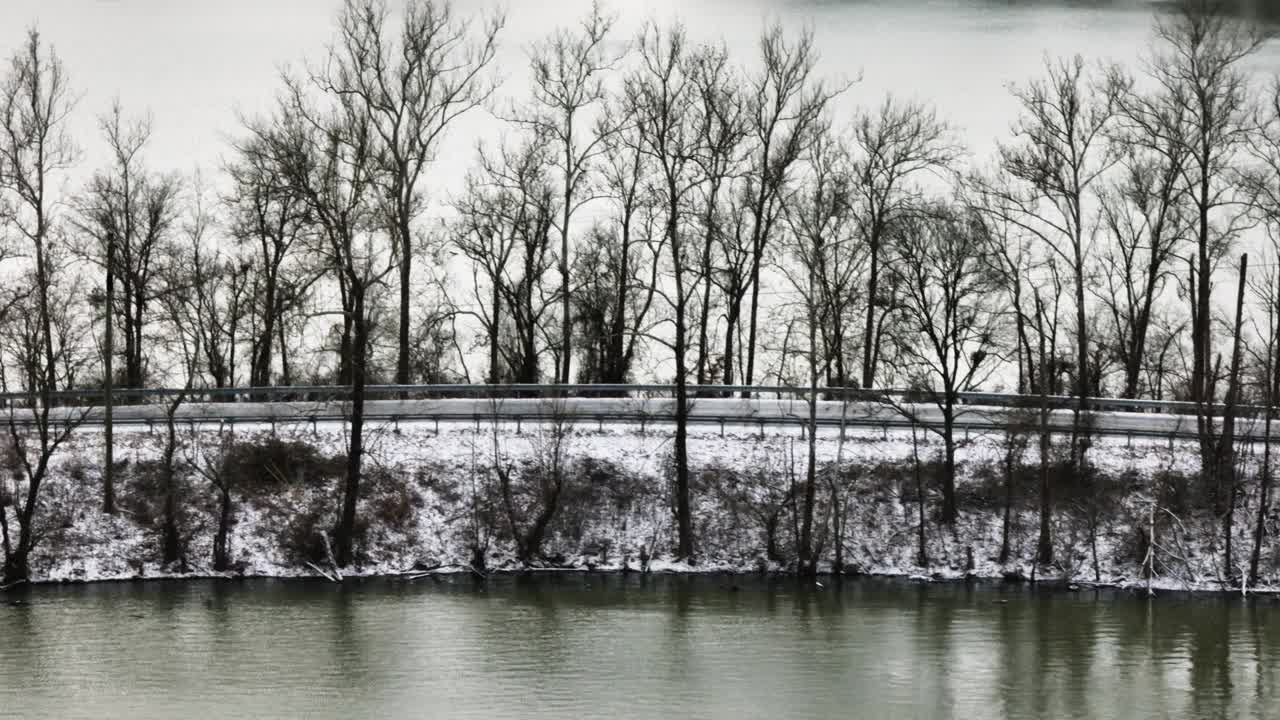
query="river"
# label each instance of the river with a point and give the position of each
(580, 646)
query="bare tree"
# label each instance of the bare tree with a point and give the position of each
(35, 103)
(724, 126)
(618, 285)
(531, 494)
(1263, 185)
(1058, 155)
(327, 153)
(825, 257)
(787, 107)
(215, 285)
(662, 99)
(129, 212)
(897, 143)
(411, 86)
(1144, 215)
(1202, 107)
(1046, 321)
(569, 72)
(506, 216)
(267, 220)
(947, 331)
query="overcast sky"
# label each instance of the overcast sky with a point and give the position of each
(194, 63)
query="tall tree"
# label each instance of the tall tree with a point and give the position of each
(35, 104)
(569, 72)
(897, 142)
(268, 219)
(1203, 105)
(411, 86)
(824, 257)
(787, 107)
(327, 153)
(723, 108)
(826, 247)
(618, 285)
(1143, 215)
(1059, 153)
(1262, 183)
(661, 97)
(947, 330)
(129, 211)
(506, 218)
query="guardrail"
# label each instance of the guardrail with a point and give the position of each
(633, 403)
(297, 393)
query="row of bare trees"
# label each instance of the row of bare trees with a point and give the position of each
(652, 202)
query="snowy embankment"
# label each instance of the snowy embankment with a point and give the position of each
(433, 503)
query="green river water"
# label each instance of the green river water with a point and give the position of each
(588, 646)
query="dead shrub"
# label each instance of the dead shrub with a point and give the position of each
(266, 463)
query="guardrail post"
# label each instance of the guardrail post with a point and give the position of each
(884, 431)
(1128, 440)
(762, 429)
(599, 423)
(436, 419)
(721, 427)
(518, 424)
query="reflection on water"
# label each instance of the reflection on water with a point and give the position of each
(596, 646)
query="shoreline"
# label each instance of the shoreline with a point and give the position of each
(432, 508)
(824, 579)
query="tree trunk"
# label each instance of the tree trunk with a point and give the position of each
(1227, 465)
(221, 549)
(808, 562)
(731, 327)
(870, 343)
(1044, 546)
(922, 548)
(751, 328)
(171, 541)
(108, 468)
(351, 489)
(406, 272)
(260, 375)
(1008, 507)
(949, 510)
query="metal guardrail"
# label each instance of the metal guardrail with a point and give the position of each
(634, 403)
(296, 393)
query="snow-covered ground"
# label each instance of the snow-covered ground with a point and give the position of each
(433, 497)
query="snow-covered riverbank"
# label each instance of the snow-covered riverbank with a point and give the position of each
(433, 503)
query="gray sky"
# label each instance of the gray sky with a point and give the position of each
(193, 63)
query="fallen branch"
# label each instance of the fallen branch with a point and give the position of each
(322, 573)
(328, 551)
(11, 585)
